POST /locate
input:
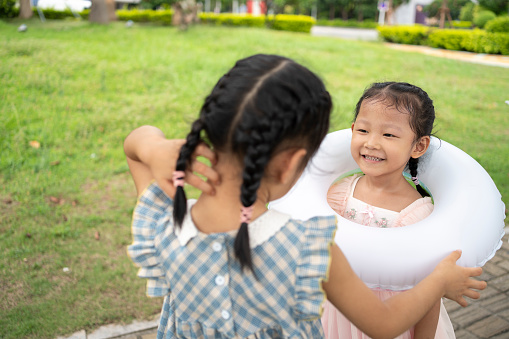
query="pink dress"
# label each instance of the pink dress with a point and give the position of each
(340, 198)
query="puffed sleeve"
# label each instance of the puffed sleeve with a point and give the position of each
(313, 267)
(153, 209)
(339, 192)
(415, 212)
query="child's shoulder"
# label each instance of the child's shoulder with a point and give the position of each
(340, 190)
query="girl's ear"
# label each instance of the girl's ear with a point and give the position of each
(421, 146)
(286, 165)
(353, 124)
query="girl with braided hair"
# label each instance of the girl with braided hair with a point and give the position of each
(263, 276)
(391, 131)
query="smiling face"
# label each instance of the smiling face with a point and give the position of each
(382, 139)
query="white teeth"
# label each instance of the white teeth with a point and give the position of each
(372, 158)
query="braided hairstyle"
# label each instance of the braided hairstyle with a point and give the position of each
(263, 105)
(408, 99)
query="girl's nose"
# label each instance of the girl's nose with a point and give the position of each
(372, 143)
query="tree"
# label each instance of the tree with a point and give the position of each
(454, 6)
(25, 9)
(496, 6)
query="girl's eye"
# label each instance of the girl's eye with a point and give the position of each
(362, 130)
(389, 135)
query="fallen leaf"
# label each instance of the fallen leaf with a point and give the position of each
(54, 200)
(8, 201)
(64, 217)
(97, 236)
(74, 202)
(54, 163)
(28, 235)
(35, 144)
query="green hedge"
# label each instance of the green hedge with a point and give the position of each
(293, 23)
(145, 15)
(347, 23)
(448, 38)
(498, 25)
(410, 35)
(227, 19)
(478, 41)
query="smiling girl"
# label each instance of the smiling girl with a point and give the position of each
(391, 131)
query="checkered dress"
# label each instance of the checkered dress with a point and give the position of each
(207, 295)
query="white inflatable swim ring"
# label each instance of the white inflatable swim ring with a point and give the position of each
(468, 215)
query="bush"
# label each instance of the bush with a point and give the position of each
(484, 42)
(228, 19)
(462, 24)
(7, 9)
(498, 25)
(477, 40)
(410, 35)
(467, 12)
(293, 23)
(146, 15)
(481, 18)
(448, 38)
(347, 23)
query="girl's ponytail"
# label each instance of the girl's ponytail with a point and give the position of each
(413, 163)
(180, 200)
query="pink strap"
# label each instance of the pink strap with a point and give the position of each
(415, 180)
(245, 214)
(178, 178)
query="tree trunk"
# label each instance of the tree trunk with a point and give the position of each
(101, 11)
(344, 14)
(25, 10)
(332, 11)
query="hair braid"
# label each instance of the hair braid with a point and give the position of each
(180, 200)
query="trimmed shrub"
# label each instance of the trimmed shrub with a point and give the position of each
(410, 35)
(293, 23)
(484, 42)
(481, 18)
(228, 19)
(498, 25)
(145, 15)
(135, 15)
(7, 9)
(462, 24)
(477, 40)
(448, 38)
(347, 23)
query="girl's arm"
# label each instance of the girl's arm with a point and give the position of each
(151, 156)
(426, 328)
(394, 316)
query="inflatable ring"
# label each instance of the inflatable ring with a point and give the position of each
(468, 215)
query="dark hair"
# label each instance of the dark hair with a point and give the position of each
(409, 99)
(264, 104)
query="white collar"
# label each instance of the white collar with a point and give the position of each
(260, 230)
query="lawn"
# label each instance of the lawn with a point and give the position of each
(69, 94)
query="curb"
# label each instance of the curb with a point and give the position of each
(135, 330)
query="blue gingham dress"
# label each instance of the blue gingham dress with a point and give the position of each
(205, 293)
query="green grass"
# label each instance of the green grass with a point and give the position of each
(79, 89)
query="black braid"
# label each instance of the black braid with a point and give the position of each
(180, 200)
(264, 104)
(412, 167)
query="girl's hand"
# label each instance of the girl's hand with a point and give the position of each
(151, 156)
(458, 281)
